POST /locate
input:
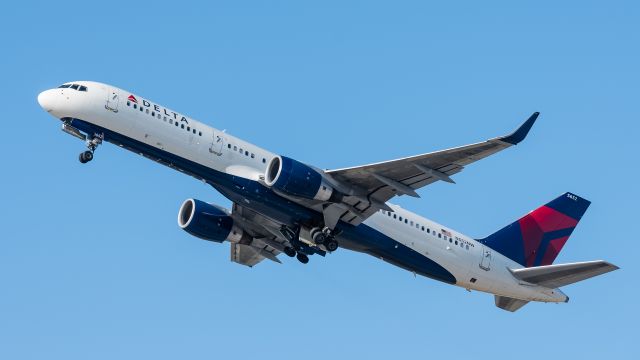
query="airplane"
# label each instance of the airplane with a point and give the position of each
(282, 205)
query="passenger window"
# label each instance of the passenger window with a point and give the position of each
(82, 88)
(246, 153)
(153, 113)
(182, 126)
(240, 150)
(188, 128)
(394, 216)
(176, 123)
(141, 109)
(194, 131)
(405, 221)
(74, 86)
(199, 133)
(128, 103)
(253, 155)
(235, 148)
(135, 106)
(264, 160)
(229, 146)
(423, 228)
(428, 231)
(439, 235)
(400, 218)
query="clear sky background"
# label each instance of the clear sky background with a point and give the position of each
(94, 266)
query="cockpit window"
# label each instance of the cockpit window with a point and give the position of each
(74, 87)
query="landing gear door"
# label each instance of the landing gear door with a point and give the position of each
(217, 143)
(485, 262)
(113, 98)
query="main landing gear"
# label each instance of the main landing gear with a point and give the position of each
(324, 237)
(92, 145)
(303, 258)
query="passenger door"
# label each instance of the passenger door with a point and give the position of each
(217, 143)
(112, 100)
(485, 262)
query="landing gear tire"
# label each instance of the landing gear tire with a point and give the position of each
(319, 238)
(302, 258)
(289, 251)
(331, 245)
(86, 156)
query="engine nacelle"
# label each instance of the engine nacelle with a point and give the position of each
(208, 222)
(295, 178)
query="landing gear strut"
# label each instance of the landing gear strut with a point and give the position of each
(92, 145)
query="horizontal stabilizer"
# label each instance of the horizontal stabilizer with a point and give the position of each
(509, 304)
(554, 276)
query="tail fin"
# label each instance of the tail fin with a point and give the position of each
(537, 238)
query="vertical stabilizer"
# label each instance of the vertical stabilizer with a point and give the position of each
(537, 238)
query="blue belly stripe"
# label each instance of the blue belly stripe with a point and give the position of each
(362, 238)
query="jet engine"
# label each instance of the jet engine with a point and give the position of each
(208, 222)
(295, 178)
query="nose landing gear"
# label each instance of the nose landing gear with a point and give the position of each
(86, 156)
(92, 145)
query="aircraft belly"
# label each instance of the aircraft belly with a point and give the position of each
(365, 239)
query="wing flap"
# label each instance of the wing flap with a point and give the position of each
(250, 255)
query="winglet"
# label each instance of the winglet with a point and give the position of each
(519, 135)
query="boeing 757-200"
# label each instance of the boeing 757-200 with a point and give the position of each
(282, 205)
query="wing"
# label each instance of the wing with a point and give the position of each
(262, 242)
(375, 184)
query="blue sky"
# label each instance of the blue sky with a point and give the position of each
(93, 264)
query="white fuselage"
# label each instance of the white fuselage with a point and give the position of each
(473, 265)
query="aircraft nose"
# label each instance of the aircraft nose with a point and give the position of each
(46, 100)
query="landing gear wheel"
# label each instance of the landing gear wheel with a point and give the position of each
(331, 245)
(302, 258)
(86, 156)
(319, 238)
(289, 251)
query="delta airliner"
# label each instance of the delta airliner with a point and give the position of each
(281, 205)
